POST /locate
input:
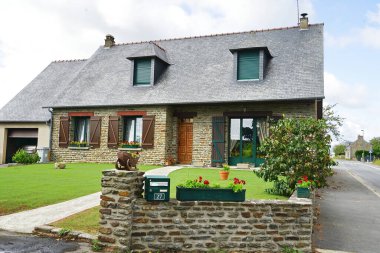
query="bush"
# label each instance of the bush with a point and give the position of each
(21, 156)
(359, 154)
(295, 148)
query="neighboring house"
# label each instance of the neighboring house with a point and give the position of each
(359, 144)
(200, 100)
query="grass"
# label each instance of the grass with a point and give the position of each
(86, 221)
(30, 186)
(376, 162)
(255, 186)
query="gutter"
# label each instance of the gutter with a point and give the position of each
(51, 128)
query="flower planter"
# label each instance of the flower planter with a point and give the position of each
(130, 146)
(303, 192)
(209, 194)
(223, 174)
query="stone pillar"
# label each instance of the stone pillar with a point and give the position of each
(120, 189)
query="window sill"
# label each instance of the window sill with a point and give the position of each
(130, 149)
(79, 148)
(248, 80)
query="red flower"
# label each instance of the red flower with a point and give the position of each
(299, 182)
(206, 182)
(243, 181)
(200, 179)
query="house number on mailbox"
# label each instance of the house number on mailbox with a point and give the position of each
(159, 196)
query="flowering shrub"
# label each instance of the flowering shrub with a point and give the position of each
(78, 143)
(237, 185)
(196, 183)
(304, 182)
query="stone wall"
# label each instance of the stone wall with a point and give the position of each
(155, 155)
(166, 130)
(128, 222)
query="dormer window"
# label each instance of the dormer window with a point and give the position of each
(142, 71)
(248, 65)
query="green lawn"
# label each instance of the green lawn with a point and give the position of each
(86, 221)
(255, 186)
(376, 162)
(31, 186)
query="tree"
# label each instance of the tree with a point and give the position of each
(339, 149)
(333, 121)
(375, 142)
(295, 148)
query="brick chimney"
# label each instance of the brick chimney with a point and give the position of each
(304, 22)
(109, 41)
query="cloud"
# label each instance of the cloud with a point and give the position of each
(374, 17)
(355, 103)
(348, 95)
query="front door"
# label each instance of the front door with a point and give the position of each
(246, 135)
(185, 143)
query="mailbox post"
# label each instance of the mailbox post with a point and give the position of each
(157, 188)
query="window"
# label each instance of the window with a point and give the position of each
(248, 65)
(132, 129)
(81, 129)
(142, 69)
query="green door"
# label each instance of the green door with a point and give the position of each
(243, 141)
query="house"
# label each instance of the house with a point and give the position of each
(359, 144)
(199, 100)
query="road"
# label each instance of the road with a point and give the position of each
(349, 217)
(23, 243)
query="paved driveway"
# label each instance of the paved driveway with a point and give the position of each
(18, 243)
(350, 211)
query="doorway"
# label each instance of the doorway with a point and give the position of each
(245, 137)
(185, 141)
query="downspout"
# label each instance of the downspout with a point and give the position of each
(51, 130)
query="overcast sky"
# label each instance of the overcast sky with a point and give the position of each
(33, 33)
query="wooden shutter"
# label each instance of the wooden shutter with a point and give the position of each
(248, 65)
(95, 127)
(148, 132)
(142, 70)
(63, 138)
(217, 155)
(113, 131)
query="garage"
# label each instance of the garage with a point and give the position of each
(17, 138)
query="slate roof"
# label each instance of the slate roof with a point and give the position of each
(200, 71)
(26, 106)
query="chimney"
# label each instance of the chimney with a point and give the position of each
(109, 41)
(304, 22)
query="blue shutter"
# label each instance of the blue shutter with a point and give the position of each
(142, 69)
(248, 65)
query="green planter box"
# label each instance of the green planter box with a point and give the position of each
(130, 146)
(303, 193)
(200, 194)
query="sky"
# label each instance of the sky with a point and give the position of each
(34, 33)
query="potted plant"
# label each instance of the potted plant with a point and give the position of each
(224, 172)
(303, 187)
(78, 144)
(169, 161)
(201, 190)
(129, 144)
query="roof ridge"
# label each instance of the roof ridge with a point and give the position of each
(213, 35)
(72, 60)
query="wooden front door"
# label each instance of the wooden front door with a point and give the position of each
(185, 143)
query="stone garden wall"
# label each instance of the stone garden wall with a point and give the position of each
(129, 222)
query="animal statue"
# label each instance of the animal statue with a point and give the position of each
(126, 161)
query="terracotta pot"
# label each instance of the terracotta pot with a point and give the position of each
(224, 174)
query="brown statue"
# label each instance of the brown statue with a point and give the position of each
(126, 160)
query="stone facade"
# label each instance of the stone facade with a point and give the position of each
(166, 129)
(359, 144)
(129, 222)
